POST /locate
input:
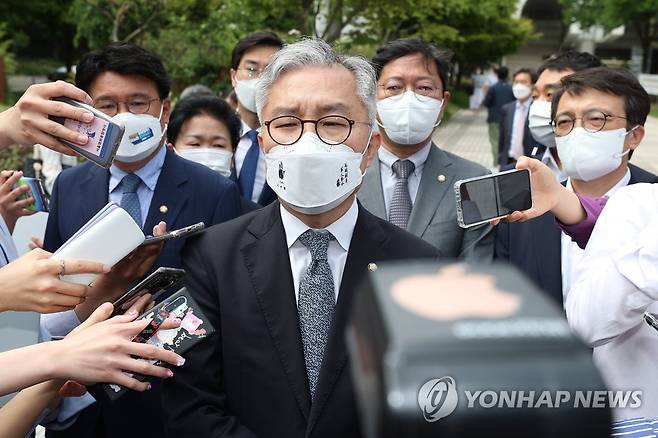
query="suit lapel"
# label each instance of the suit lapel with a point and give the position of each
(366, 241)
(169, 196)
(273, 284)
(94, 191)
(371, 193)
(431, 191)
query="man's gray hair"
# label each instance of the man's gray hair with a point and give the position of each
(315, 52)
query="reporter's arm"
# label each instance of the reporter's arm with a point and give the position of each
(27, 122)
(20, 415)
(617, 280)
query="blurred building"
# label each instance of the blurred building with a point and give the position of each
(620, 47)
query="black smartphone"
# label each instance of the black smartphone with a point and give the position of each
(104, 134)
(484, 198)
(37, 192)
(160, 280)
(651, 319)
(182, 232)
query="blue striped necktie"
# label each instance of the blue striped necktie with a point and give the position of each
(129, 199)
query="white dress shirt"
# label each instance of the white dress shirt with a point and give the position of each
(300, 256)
(572, 255)
(8, 253)
(386, 160)
(548, 160)
(241, 152)
(520, 106)
(615, 284)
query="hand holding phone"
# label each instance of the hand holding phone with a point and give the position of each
(162, 279)
(181, 232)
(485, 198)
(103, 134)
(40, 199)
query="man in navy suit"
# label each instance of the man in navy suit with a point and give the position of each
(515, 139)
(599, 115)
(151, 183)
(498, 95)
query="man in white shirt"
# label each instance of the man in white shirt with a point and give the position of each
(278, 283)
(515, 139)
(410, 182)
(592, 112)
(250, 56)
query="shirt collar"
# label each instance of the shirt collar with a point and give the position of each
(342, 229)
(246, 128)
(549, 161)
(418, 158)
(148, 173)
(623, 182)
(525, 105)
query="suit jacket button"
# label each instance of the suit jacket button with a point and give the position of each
(441, 178)
(372, 267)
(163, 209)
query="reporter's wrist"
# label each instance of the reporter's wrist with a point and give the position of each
(568, 209)
(5, 128)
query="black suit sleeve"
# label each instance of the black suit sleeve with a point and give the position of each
(229, 206)
(194, 400)
(502, 245)
(52, 240)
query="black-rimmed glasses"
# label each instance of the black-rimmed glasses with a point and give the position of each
(332, 130)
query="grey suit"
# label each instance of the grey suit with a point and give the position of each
(434, 214)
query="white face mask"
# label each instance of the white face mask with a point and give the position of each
(246, 93)
(143, 135)
(539, 122)
(408, 118)
(590, 155)
(521, 91)
(313, 177)
(217, 159)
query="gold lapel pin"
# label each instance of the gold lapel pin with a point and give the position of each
(164, 209)
(441, 178)
(372, 267)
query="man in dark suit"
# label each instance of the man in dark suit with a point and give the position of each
(152, 184)
(249, 57)
(277, 284)
(498, 95)
(609, 107)
(515, 139)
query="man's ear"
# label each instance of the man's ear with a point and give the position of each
(166, 110)
(446, 99)
(373, 147)
(634, 139)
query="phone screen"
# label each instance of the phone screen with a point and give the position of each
(495, 196)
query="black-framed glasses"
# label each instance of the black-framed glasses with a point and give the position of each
(592, 121)
(252, 72)
(332, 129)
(138, 105)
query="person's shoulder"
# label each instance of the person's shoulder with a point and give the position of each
(232, 230)
(508, 107)
(639, 195)
(640, 175)
(73, 174)
(405, 244)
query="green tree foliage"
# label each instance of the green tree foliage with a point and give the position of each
(640, 15)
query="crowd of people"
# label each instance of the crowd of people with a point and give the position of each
(323, 166)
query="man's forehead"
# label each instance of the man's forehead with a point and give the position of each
(551, 78)
(590, 98)
(418, 61)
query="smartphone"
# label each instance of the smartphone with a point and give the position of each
(182, 232)
(104, 134)
(37, 192)
(160, 280)
(484, 198)
(651, 319)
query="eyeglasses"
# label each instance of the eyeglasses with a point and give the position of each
(592, 121)
(252, 73)
(396, 88)
(135, 106)
(332, 130)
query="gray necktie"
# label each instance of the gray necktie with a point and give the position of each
(316, 303)
(129, 199)
(400, 209)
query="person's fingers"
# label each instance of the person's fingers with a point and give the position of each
(68, 301)
(35, 242)
(65, 89)
(101, 313)
(494, 222)
(72, 389)
(121, 378)
(12, 179)
(151, 352)
(65, 110)
(170, 323)
(50, 142)
(23, 203)
(160, 229)
(57, 130)
(52, 309)
(140, 303)
(80, 267)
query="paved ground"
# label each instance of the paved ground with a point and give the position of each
(466, 135)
